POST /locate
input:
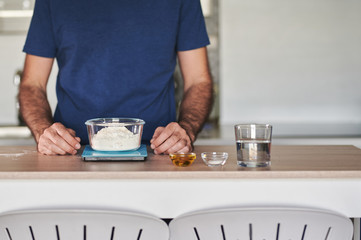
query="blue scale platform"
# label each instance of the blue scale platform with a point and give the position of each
(134, 155)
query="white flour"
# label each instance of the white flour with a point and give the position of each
(115, 139)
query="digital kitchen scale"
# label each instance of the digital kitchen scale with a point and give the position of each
(134, 155)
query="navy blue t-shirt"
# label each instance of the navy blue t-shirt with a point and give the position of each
(116, 58)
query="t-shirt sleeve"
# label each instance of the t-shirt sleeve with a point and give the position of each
(192, 32)
(40, 39)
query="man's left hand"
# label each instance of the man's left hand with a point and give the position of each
(171, 139)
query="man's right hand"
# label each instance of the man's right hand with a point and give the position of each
(52, 138)
(58, 140)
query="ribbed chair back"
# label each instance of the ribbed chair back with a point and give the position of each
(262, 223)
(81, 225)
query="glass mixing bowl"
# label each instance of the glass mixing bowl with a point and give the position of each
(115, 134)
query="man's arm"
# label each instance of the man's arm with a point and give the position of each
(52, 138)
(195, 106)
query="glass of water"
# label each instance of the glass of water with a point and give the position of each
(253, 144)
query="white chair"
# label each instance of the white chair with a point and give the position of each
(261, 223)
(81, 225)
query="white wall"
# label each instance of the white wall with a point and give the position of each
(290, 62)
(11, 59)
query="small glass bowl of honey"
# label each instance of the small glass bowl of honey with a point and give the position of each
(182, 159)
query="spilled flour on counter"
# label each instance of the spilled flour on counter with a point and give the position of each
(16, 155)
(115, 139)
(12, 154)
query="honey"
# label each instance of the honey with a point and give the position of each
(182, 159)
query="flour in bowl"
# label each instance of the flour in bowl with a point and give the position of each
(115, 139)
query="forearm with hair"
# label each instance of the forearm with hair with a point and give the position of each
(35, 109)
(195, 108)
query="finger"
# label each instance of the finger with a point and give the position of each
(157, 132)
(56, 141)
(60, 146)
(179, 147)
(45, 151)
(47, 147)
(163, 136)
(66, 134)
(185, 150)
(56, 150)
(72, 132)
(169, 144)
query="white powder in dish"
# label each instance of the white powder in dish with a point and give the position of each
(115, 139)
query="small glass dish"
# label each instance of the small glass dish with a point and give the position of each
(182, 159)
(214, 159)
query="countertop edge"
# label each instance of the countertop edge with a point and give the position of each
(194, 175)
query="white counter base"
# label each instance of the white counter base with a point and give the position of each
(173, 197)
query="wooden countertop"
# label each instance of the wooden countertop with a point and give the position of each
(331, 161)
